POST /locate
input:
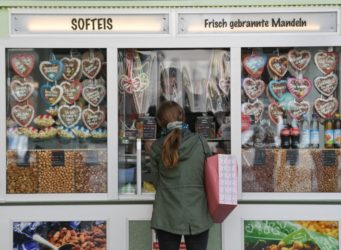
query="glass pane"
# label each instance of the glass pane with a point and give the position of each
(290, 119)
(56, 121)
(197, 79)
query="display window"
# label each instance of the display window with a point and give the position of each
(290, 119)
(197, 79)
(62, 235)
(280, 234)
(56, 121)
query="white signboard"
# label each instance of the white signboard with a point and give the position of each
(74, 24)
(288, 22)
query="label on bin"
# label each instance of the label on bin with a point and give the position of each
(260, 157)
(23, 159)
(58, 158)
(91, 158)
(328, 158)
(292, 157)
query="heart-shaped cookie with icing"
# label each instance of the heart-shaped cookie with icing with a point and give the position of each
(51, 70)
(326, 61)
(254, 64)
(91, 67)
(23, 64)
(278, 89)
(93, 119)
(326, 85)
(21, 91)
(51, 94)
(256, 109)
(23, 114)
(298, 109)
(72, 67)
(278, 66)
(71, 91)
(253, 88)
(326, 107)
(299, 87)
(299, 59)
(94, 94)
(69, 116)
(275, 111)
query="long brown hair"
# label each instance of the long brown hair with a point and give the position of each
(167, 112)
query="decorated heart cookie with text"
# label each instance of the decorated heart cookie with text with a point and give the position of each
(326, 107)
(326, 85)
(94, 94)
(136, 84)
(22, 114)
(51, 70)
(93, 119)
(298, 109)
(71, 91)
(299, 87)
(72, 67)
(326, 61)
(23, 64)
(51, 94)
(91, 67)
(69, 116)
(256, 109)
(253, 88)
(278, 66)
(254, 65)
(275, 111)
(21, 91)
(278, 89)
(299, 60)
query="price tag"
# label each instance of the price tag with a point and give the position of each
(23, 159)
(292, 157)
(328, 158)
(91, 158)
(149, 128)
(58, 158)
(260, 157)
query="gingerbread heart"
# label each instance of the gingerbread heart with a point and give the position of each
(278, 65)
(23, 114)
(69, 116)
(278, 89)
(326, 107)
(254, 65)
(256, 109)
(93, 119)
(51, 70)
(326, 85)
(91, 67)
(298, 109)
(94, 94)
(224, 85)
(326, 61)
(71, 91)
(299, 60)
(253, 88)
(72, 67)
(51, 94)
(299, 87)
(275, 111)
(21, 91)
(23, 64)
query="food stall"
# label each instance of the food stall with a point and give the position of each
(81, 90)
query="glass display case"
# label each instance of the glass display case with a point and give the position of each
(290, 122)
(197, 79)
(56, 121)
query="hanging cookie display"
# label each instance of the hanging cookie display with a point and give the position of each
(23, 114)
(93, 119)
(298, 60)
(51, 94)
(275, 111)
(71, 91)
(21, 90)
(255, 109)
(326, 62)
(69, 116)
(94, 93)
(51, 70)
(91, 64)
(72, 67)
(23, 63)
(298, 109)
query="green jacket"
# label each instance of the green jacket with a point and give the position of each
(180, 205)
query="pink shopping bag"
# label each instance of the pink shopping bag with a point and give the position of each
(221, 185)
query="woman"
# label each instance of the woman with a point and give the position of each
(177, 162)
